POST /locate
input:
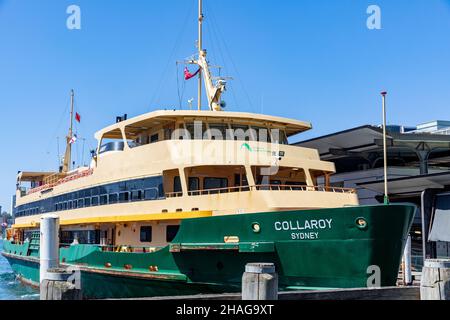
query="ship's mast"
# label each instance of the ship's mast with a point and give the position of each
(68, 154)
(200, 49)
(213, 90)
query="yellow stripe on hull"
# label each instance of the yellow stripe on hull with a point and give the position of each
(123, 219)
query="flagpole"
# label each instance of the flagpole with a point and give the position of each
(68, 154)
(72, 95)
(200, 48)
(386, 194)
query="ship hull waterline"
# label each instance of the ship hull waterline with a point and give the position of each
(326, 248)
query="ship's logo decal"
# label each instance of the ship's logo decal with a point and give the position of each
(246, 146)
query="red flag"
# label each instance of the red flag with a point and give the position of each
(78, 117)
(188, 75)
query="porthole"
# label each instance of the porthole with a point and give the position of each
(361, 223)
(256, 227)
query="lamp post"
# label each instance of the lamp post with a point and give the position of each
(386, 194)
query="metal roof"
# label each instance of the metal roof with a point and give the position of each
(291, 126)
(368, 138)
(356, 139)
(415, 184)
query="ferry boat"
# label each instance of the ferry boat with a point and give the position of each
(177, 202)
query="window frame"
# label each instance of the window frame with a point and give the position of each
(150, 228)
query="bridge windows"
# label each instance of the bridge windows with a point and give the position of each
(215, 183)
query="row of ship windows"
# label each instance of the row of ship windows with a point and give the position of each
(105, 199)
(120, 192)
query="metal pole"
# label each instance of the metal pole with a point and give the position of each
(49, 245)
(386, 194)
(407, 276)
(200, 48)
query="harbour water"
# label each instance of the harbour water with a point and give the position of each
(10, 288)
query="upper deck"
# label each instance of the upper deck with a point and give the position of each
(161, 118)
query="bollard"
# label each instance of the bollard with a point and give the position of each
(435, 282)
(49, 244)
(260, 282)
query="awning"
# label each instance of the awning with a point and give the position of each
(33, 176)
(414, 184)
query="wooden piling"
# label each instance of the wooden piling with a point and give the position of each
(435, 281)
(56, 286)
(260, 282)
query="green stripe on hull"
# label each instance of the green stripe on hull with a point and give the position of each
(329, 248)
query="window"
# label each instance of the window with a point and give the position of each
(240, 132)
(113, 198)
(278, 136)
(64, 206)
(75, 204)
(215, 183)
(69, 205)
(194, 184)
(103, 199)
(150, 194)
(154, 138)
(136, 195)
(94, 201)
(263, 134)
(124, 196)
(171, 232)
(218, 131)
(238, 182)
(80, 203)
(295, 183)
(146, 234)
(177, 185)
(87, 202)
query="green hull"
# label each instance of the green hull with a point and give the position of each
(311, 249)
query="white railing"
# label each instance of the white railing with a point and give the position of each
(262, 187)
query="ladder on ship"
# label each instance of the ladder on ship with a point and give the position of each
(34, 242)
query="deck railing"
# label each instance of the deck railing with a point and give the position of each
(53, 181)
(263, 187)
(122, 248)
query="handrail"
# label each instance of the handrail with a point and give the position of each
(263, 187)
(66, 179)
(122, 248)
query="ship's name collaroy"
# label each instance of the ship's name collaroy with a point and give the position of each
(306, 225)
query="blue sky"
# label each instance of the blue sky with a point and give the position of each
(312, 60)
